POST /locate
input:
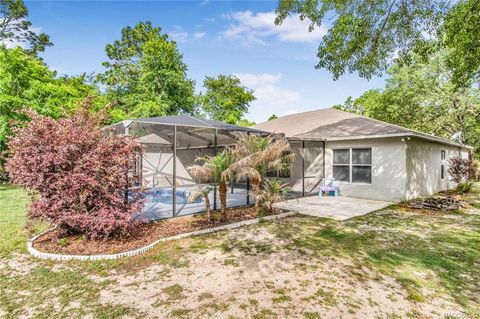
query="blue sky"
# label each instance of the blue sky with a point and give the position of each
(215, 37)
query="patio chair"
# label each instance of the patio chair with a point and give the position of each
(328, 187)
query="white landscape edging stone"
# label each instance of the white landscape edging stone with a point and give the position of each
(36, 253)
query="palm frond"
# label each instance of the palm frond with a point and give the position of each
(201, 173)
(199, 192)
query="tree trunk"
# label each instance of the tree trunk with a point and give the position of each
(208, 212)
(256, 193)
(222, 190)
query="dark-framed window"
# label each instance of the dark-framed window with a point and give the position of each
(353, 165)
(341, 165)
(362, 165)
(443, 156)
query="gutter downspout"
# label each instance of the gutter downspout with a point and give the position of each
(215, 186)
(303, 168)
(174, 197)
(323, 157)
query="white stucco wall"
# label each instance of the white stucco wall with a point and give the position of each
(389, 176)
(424, 167)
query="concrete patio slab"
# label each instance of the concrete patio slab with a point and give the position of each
(339, 208)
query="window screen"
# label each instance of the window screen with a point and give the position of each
(442, 166)
(353, 165)
(362, 174)
(362, 156)
(341, 165)
(341, 173)
(362, 165)
(341, 157)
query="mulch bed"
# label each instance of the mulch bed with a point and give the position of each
(77, 245)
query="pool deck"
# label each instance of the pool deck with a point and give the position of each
(339, 208)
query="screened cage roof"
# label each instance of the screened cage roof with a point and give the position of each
(188, 120)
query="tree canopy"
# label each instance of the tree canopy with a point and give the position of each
(16, 28)
(26, 82)
(145, 74)
(368, 36)
(423, 96)
(226, 99)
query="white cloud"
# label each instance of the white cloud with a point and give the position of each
(178, 35)
(255, 27)
(258, 80)
(199, 35)
(271, 98)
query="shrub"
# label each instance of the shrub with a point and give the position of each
(76, 174)
(256, 156)
(273, 191)
(465, 187)
(461, 170)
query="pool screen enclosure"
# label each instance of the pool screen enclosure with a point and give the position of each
(173, 143)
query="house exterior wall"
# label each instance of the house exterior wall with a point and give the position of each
(424, 167)
(389, 173)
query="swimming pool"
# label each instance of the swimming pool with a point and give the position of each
(165, 196)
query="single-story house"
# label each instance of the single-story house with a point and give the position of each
(367, 158)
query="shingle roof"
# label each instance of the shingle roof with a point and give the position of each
(333, 124)
(295, 124)
(356, 126)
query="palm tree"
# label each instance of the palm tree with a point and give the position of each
(215, 169)
(202, 191)
(273, 191)
(257, 155)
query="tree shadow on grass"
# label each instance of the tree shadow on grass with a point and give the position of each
(390, 242)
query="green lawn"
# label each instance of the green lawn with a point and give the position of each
(13, 222)
(295, 267)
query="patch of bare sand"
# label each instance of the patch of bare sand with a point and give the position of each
(18, 264)
(282, 283)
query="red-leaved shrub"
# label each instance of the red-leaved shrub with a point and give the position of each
(76, 174)
(461, 170)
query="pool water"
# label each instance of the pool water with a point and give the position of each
(165, 196)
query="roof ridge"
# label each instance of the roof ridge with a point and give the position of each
(199, 120)
(299, 113)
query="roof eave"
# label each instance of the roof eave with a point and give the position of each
(361, 137)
